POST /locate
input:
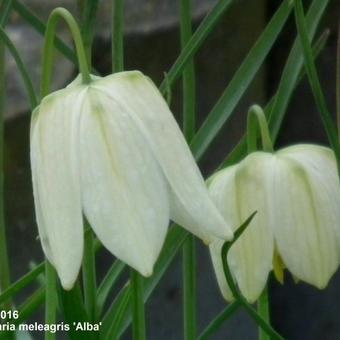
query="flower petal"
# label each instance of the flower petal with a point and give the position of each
(125, 194)
(238, 191)
(307, 212)
(55, 173)
(191, 205)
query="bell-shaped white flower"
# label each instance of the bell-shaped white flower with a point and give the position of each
(111, 150)
(296, 194)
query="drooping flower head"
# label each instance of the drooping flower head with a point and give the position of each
(296, 194)
(111, 150)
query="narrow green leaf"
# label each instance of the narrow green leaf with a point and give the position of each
(51, 299)
(107, 284)
(196, 41)
(292, 74)
(5, 9)
(237, 87)
(293, 68)
(22, 283)
(314, 81)
(117, 314)
(21, 67)
(219, 320)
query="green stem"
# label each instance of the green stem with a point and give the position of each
(257, 118)
(88, 26)
(117, 35)
(4, 263)
(89, 276)
(49, 45)
(189, 288)
(189, 246)
(338, 84)
(138, 317)
(33, 20)
(219, 320)
(189, 91)
(263, 310)
(51, 299)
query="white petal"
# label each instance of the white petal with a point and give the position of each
(125, 195)
(191, 206)
(238, 191)
(55, 173)
(307, 212)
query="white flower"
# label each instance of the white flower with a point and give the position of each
(297, 196)
(111, 150)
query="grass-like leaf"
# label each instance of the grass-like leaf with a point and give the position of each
(21, 67)
(292, 74)
(196, 41)
(238, 85)
(314, 81)
(107, 284)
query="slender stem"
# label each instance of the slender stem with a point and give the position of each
(138, 317)
(49, 44)
(263, 310)
(89, 276)
(189, 91)
(219, 320)
(117, 35)
(4, 263)
(189, 247)
(257, 118)
(338, 84)
(51, 299)
(88, 26)
(31, 19)
(189, 288)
